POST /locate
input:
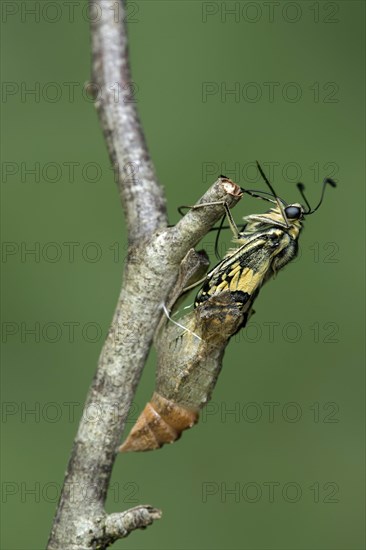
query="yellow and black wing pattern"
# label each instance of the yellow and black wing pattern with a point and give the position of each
(264, 248)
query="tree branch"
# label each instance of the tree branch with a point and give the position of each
(150, 274)
(141, 194)
(118, 526)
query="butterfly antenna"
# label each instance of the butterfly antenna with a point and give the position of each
(277, 199)
(301, 188)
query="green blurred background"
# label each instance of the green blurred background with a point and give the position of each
(284, 469)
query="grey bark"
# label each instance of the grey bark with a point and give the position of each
(150, 273)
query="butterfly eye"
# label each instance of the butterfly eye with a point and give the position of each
(293, 212)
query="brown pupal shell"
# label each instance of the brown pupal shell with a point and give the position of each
(162, 421)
